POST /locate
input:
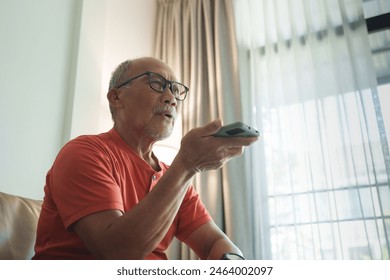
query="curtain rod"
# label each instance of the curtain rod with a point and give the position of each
(378, 23)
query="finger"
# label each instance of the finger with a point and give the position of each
(245, 141)
(235, 151)
(232, 142)
(213, 127)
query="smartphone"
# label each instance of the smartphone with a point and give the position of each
(237, 129)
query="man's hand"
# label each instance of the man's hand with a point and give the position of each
(201, 151)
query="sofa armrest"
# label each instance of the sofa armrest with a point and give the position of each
(18, 224)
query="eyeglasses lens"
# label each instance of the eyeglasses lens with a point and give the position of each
(159, 84)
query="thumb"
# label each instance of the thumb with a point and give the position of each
(213, 126)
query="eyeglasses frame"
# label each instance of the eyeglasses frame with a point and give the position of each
(168, 82)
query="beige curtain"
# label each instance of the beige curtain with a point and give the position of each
(197, 39)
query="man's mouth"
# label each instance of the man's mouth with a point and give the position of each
(168, 112)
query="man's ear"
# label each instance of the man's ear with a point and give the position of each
(113, 98)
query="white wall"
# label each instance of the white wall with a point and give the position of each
(36, 51)
(55, 61)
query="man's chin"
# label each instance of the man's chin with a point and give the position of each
(158, 135)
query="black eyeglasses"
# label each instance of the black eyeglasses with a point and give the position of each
(159, 84)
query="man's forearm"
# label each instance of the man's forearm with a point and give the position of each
(222, 246)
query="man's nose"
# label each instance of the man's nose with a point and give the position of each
(168, 97)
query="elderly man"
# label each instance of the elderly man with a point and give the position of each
(107, 196)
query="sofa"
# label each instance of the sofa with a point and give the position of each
(18, 224)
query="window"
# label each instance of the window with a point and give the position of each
(324, 161)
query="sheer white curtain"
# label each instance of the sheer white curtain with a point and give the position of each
(321, 173)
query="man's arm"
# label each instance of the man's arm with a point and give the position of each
(209, 242)
(136, 233)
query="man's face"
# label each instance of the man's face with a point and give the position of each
(146, 112)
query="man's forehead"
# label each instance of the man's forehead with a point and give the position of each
(151, 64)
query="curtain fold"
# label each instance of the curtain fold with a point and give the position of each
(321, 172)
(197, 39)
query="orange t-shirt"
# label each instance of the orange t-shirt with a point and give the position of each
(96, 173)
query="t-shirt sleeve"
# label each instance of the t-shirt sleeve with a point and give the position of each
(82, 182)
(192, 214)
